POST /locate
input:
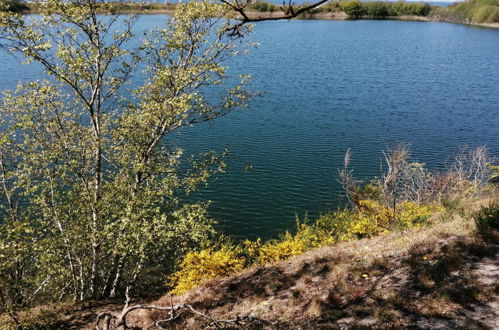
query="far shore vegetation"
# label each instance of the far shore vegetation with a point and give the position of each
(468, 12)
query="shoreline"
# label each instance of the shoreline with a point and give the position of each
(342, 16)
(327, 16)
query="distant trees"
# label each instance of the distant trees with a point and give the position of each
(90, 189)
(476, 11)
(380, 9)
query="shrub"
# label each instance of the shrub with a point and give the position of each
(353, 9)
(197, 267)
(410, 214)
(372, 218)
(417, 9)
(280, 249)
(493, 16)
(488, 218)
(494, 177)
(262, 6)
(478, 11)
(481, 14)
(376, 9)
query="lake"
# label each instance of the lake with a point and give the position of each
(332, 85)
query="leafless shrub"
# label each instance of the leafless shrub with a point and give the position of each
(415, 183)
(471, 169)
(349, 183)
(403, 180)
(395, 160)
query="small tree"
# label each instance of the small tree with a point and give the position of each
(472, 169)
(90, 187)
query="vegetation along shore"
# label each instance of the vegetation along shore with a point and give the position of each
(474, 12)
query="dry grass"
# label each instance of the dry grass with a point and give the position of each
(420, 278)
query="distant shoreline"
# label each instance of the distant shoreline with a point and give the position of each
(160, 9)
(342, 16)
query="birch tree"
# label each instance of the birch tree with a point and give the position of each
(91, 184)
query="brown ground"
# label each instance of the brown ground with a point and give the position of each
(444, 277)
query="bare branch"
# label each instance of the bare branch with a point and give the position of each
(173, 309)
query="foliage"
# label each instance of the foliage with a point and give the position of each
(488, 218)
(282, 249)
(373, 218)
(381, 9)
(494, 177)
(90, 189)
(472, 170)
(332, 6)
(476, 11)
(370, 220)
(262, 6)
(197, 267)
(411, 8)
(467, 175)
(354, 9)
(377, 9)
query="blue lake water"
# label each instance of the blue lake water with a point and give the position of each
(328, 86)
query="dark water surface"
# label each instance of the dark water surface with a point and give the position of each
(331, 85)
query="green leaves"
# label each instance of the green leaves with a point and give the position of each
(90, 187)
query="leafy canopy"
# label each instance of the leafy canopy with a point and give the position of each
(90, 185)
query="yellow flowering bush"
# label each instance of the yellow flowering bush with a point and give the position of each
(361, 225)
(275, 250)
(370, 219)
(410, 214)
(197, 267)
(313, 236)
(373, 218)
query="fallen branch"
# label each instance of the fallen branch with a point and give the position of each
(108, 316)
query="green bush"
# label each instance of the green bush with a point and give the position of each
(381, 9)
(493, 16)
(377, 9)
(488, 218)
(477, 11)
(353, 9)
(416, 9)
(262, 6)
